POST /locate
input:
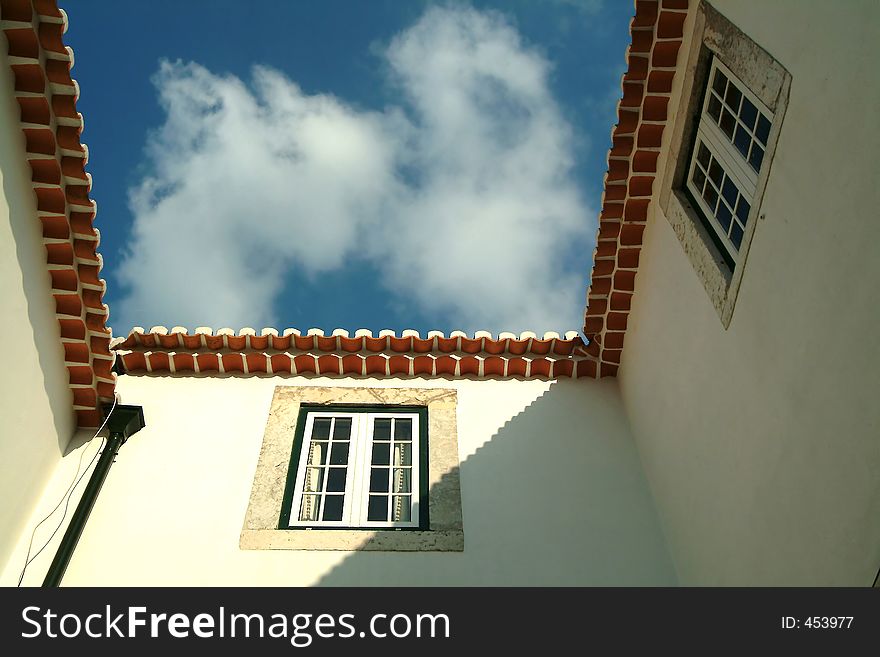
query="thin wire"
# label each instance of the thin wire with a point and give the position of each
(66, 497)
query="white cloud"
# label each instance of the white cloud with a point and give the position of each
(462, 193)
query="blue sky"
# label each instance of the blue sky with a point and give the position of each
(376, 165)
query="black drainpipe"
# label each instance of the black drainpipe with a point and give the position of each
(124, 422)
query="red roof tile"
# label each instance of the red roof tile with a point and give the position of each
(46, 96)
(642, 112)
(362, 354)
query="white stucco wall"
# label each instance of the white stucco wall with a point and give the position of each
(762, 442)
(551, 486)
(36, 405)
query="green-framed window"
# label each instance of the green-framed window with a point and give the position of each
(358, 467)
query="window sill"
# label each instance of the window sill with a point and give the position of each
(353, 539)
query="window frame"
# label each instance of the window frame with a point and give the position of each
(733, 163)
(713, 36)
(356, 492)
(261, 527)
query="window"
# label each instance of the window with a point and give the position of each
(724, 134)
(729, 148)
(357, 467)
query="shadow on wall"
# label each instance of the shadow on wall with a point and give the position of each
(556, 497)
(28, 237)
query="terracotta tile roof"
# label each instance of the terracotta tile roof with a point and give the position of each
(362, 354)
(46, 96)
(656, 34)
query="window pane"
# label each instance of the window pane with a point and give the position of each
(757, 157)
(318, 453)
(719, 83)
(402, 480)
(736, 235)
(381, 454)
(733, 97)
(402, 454)
(742, 140)
(716, 173)
(728, 123)
(742, 210)
(729, 191)
(763, 129)
(379, 480)
(403, 429)
(377, 508)
(336, 480)
(332, 507)
(714, 108)
(321, 428)
(382, 429)
(711, 197)
(699, 178)
(308, 510)
(748, 113)
(339, 454)
(342, 428)
(703, 156)
(314, 480)
(724, 215)
(401, 506)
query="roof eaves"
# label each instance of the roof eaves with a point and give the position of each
(46, 95)
(656, 36)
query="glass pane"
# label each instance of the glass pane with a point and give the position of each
(730, 192)
(342, 428)
(332, 507)
(742, 210)
(308, 510)
(719, 83)
(339, 454)
(336, 480)
(724, 215)
(703, 156)
(377, 508)
(733, 97)
(757, 157)
(699, 178)
(763, 129)
(716, 173)
(748, 113)
(401, 508)
(314, 480)
(711, 197)
(379, 480)
(728, 123)
(736, 235)
(381, 454)
(402, 454)
(402, 480)
(318, 453)
(403, 429)
(714, 108)
(321, 428)
(742, 140)
(382, 429)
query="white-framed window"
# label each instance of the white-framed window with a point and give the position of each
(729, 148)
(357, 469)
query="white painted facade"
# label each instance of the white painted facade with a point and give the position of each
(738, 455)
(36, 405)
(762, 442)
(552, 493)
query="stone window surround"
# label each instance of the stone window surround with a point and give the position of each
(714, 35)
(261, 531)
